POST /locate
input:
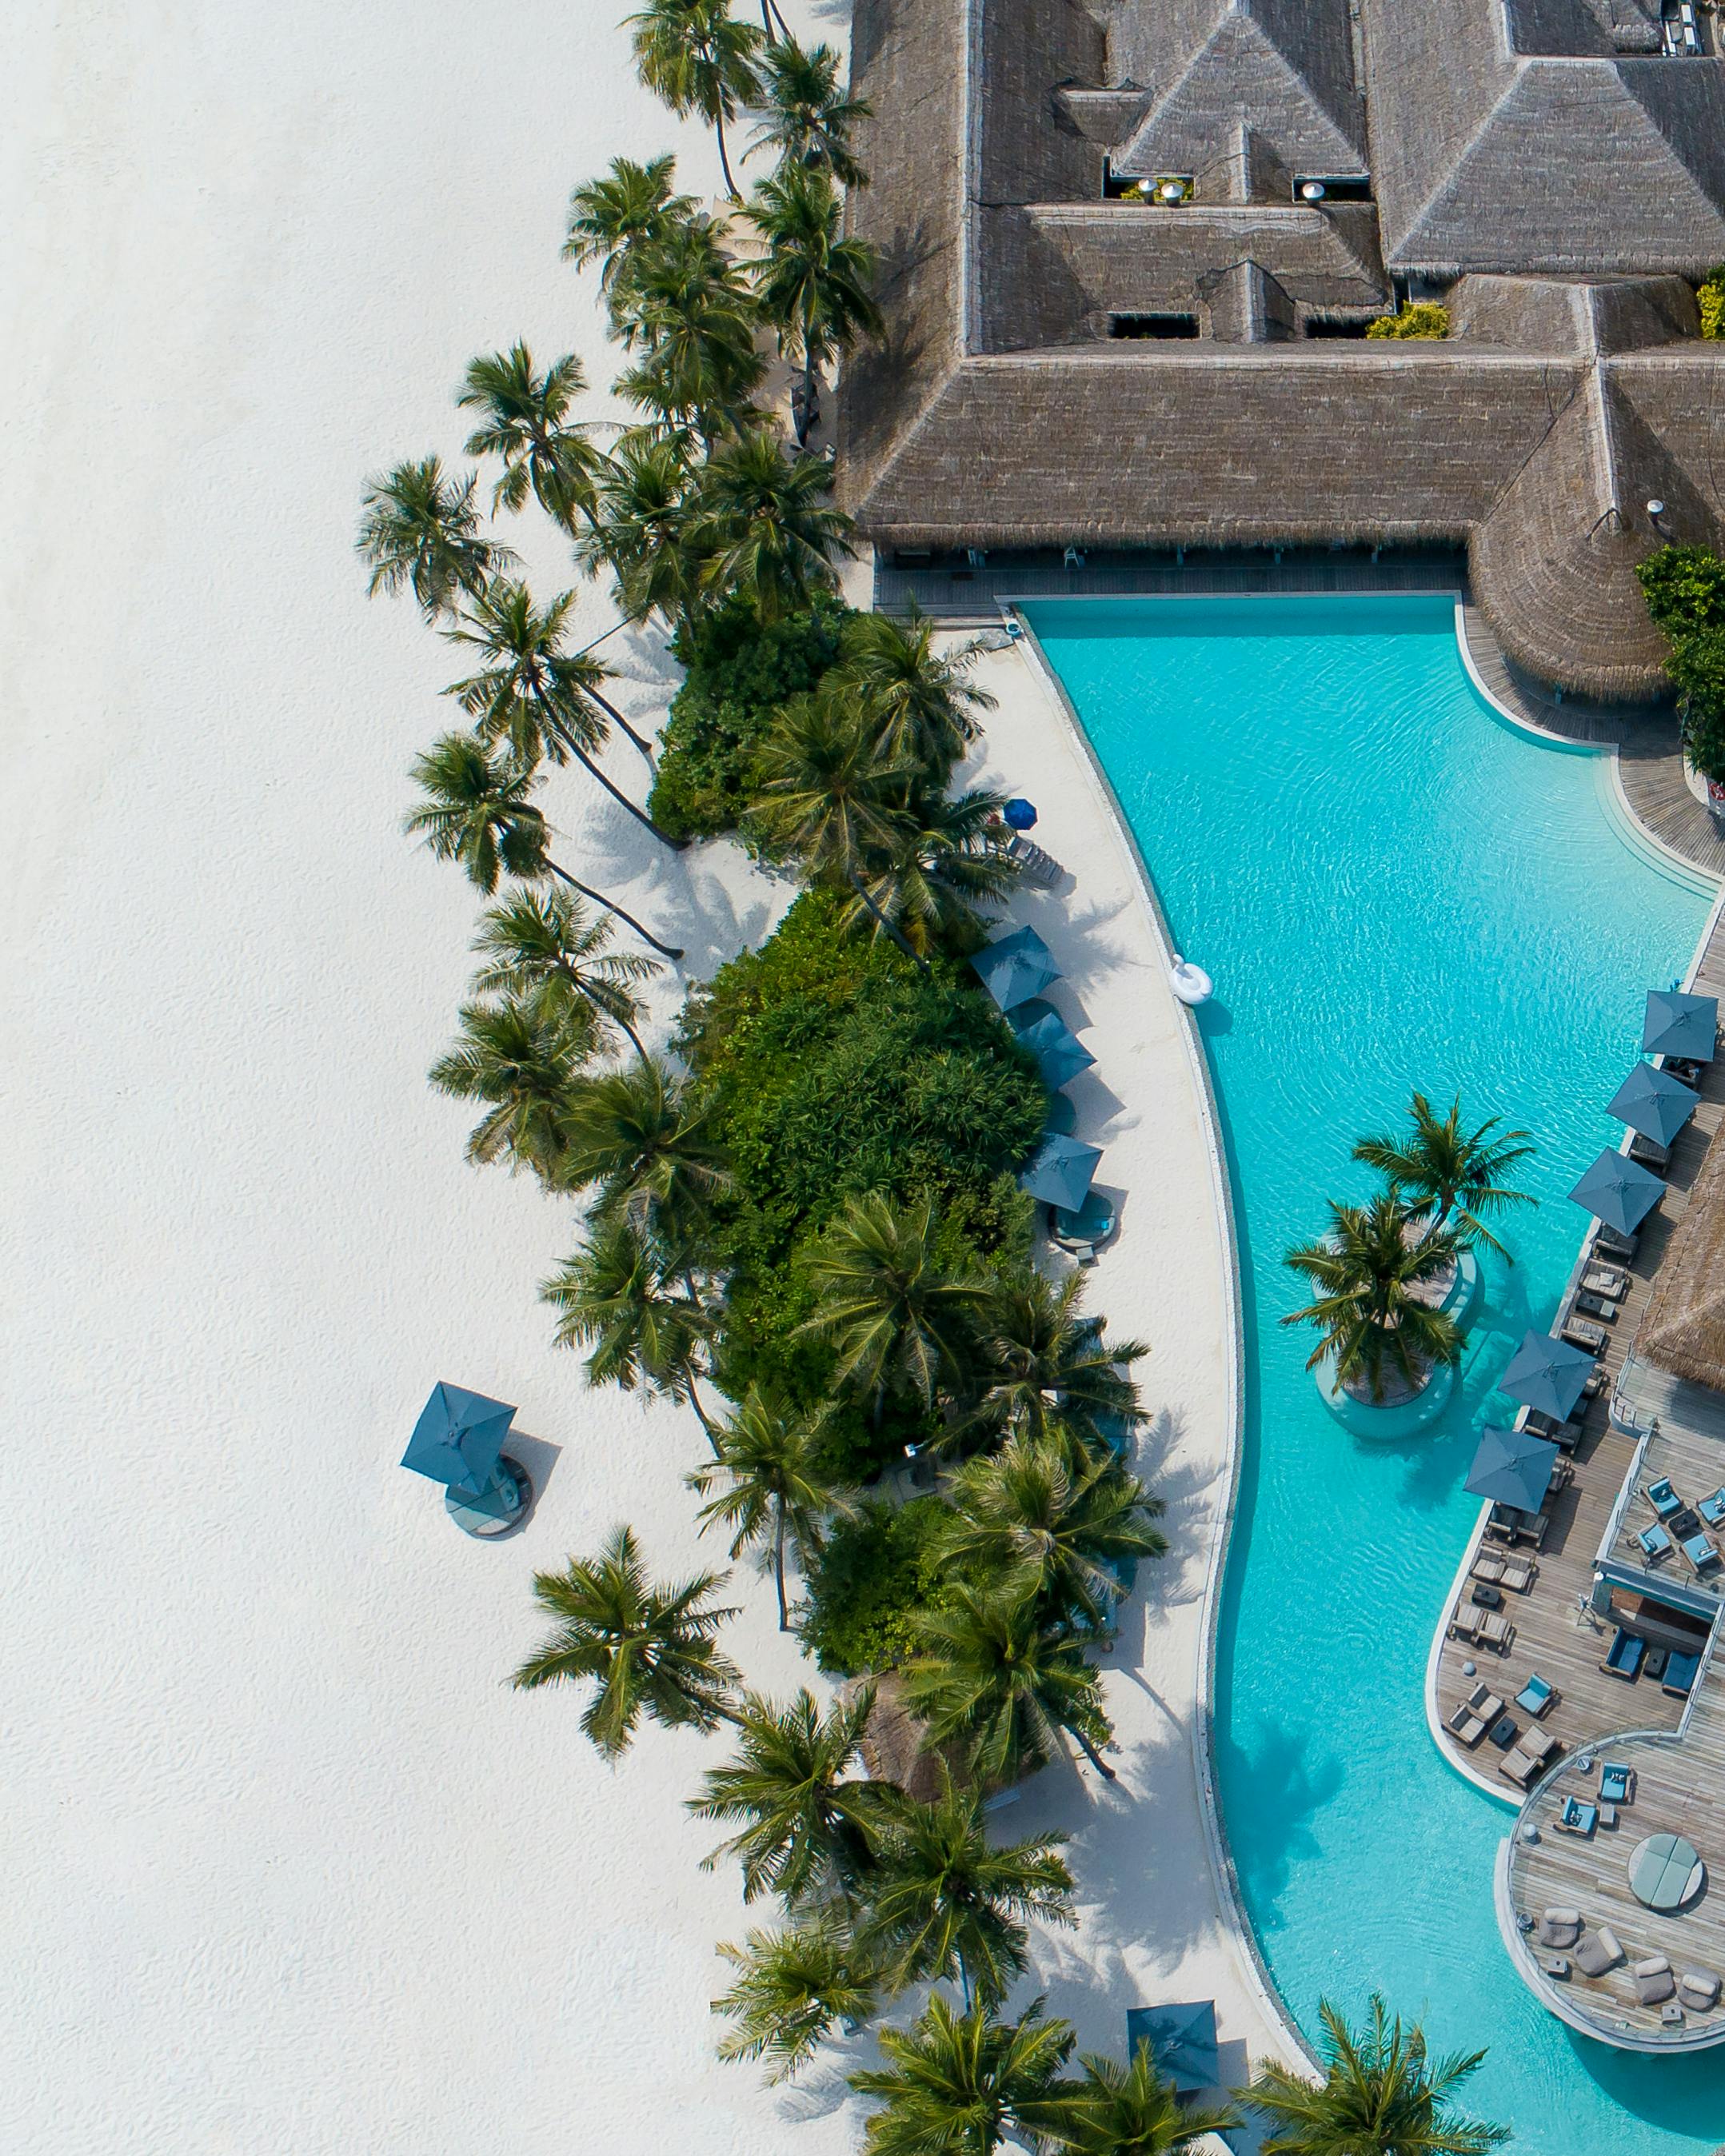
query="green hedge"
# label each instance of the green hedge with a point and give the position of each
(878, 1572)
(1711, 300)
(1419, 318)
(1684, 591)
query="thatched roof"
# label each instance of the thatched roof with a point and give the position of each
(1683, 1330)
(892, 1744)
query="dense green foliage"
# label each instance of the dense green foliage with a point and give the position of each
(878, 1574)
(1685, 590)
(1418, 318)
(738, 673)
(1711, 300)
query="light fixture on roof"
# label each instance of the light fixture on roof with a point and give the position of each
(1656, 509)
(1171, 191)
(1313, 191)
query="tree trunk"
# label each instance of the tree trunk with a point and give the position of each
(784, 1615)
(616, 792)
(1094, 1757)
(605, 703)
(702, 1414)
(724, 161)
(808, 403)
(862, 891)
(666, 950)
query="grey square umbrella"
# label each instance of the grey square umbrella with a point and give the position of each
(1182, 2041)
(1060, 1172)
(1512, 1467)
(1618, 1191)
(1058, 1052)
(1679, 1024)
(458, 1438)
(1015, 967)
(1653, 1102)
(1546, 1374)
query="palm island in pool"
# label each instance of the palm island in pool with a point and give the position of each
(1395, 888)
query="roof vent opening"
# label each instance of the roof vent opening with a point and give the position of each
(1336, 325)
(1311, 188)
(1152, 326)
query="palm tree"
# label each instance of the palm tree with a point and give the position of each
(1047, 1368)
(764, 524)
(925, 705)
(647, 1649)
(525, 422)
(1380, 2092)
(956, 2085)
(696, 56)
(1444, 1170)
(793, 1987)
(521, 1055)
(610, 220)
(811, 283)
(1367, 1271)
(543, 940)
(643, 1136)
(641, 526)
(944, 1903)
(992, 1675)
(770, 1459)
(1043, 1511)
(631, 1305)
(808, 1821)
(1134, 2111)
(419, 533)
(807, 118)
(478, 809)
(940, 857)
(534, 693)
(895, 1317)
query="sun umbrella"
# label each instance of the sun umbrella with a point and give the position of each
(1546, 1374)
(1182, 2041)
(1060, 1172)
(1512, 1467)
(1653, 1102)
(457, 1438)
(1618, 1191)
(1020, 814)
(1058, 1052)
(1015, 967)
(1679, 1024)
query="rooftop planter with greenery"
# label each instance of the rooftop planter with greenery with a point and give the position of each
(1415, 318)
(1685, 590)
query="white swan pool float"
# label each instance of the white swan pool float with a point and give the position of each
(1190, 982)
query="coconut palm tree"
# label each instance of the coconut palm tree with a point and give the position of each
(640, 527)
(525, 420)
(1444, 1169)
(793, 1987)
(697, 57)
(772, 1482)
(419, 533)
(807, 118)
(647, 1649)
(811, 283)
(1134, 2111)
(926, 706)
(536, 694)
(521, 1056)
(896, 1318)
(543, 940)
(956, 2085)
(945, 1905)
(1366, 1271)
(478, 809)
(610, 220)
(808, 1821)
(940, 857)
(633, 1306)
(645, 1139)
(764, 524)
(688, 313)
(1380, 2092)
(1044, 1511)
(1045, 1368)
(992, 1675)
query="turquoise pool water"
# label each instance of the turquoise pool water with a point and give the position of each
(1393, 888)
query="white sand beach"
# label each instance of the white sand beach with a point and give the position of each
(290, 1868)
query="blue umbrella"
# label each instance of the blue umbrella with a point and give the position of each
(1546, 1374)
(1015, 967)
(457, 1438)
(1060, 1172)
(1512, 1467)
(1182, 2041)
(1654, 1103)
(1057, 1048)
(1020, 814)
(1618, 1191)
(1679, 1024)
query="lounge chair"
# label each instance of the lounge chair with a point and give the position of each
(1625, 1658)
(1035, 865)
(1612, 1243)
(1565, 1435)
(1598, 1951)
(1519, 1573)
(1559, 1929)
(1664, 1500)
(1475, 1716)
(1593, 1383)
(1655, 1542)
(1577, 1817)
(1597, 1305)
(1492, 1629)
(1617, 1784)
(1713, 1509)
(1698, 1990)
(1606, 1280)
(1701, 1554)
(1536, 1695)
(1654, 1981)
(1581, 1332)
(1488, 1566)
(1680, 1671)
(1084, 1231)
(1649, 1152)
(1520, 1766)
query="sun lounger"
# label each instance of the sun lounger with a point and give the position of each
(1596, 1306)
(1624, 1659)
(1536, 1695)
(1576, 1817)
(1559, 1929)
(1035, 865)
(1606, 1280)
(1655, 1542)
(1680, 1671)
(1475, 1716)
(1654, 1981)
(1580, 1332)
(1713, 1509)
(1617, 1784)
(1593, 1383)
(1566, 1435)
(1519, 1573)
(1650, 1153)
(1520, 1766)
(1698, 1990)
(1598, 1951)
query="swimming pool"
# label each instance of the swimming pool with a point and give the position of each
(1393, 888)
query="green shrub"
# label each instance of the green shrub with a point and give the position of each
(1419, 318)
(1685, 590)
(876, 1574)
(1711, 300)
(738, 673)
(1698, 670)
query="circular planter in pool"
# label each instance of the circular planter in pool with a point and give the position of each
(1462, 1303)
(1395, 1418)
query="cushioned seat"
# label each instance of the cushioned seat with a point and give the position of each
(1654, 1981)
(1598, 1951)
(1559, 1928)
(1700, 1991)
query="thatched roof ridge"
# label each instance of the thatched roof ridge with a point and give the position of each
(1683, 1330)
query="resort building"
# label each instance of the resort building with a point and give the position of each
(1132, 249)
